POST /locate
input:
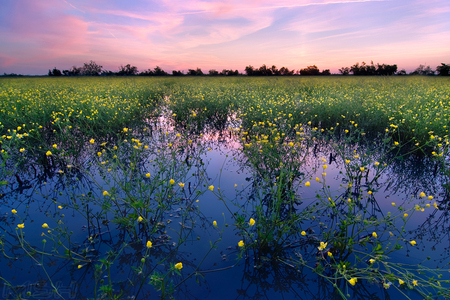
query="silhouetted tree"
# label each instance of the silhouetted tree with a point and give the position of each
(54, 72)
(422, 70)
(249, 70)
(326, 72)
(344, 70)
(401, 72)
(213, 72)
(443, 70)
(127, 70)
(285, 72)
(91, 69)
(310, 70)
(177, 73)
(197, 72)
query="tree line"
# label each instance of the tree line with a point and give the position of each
(93, 69)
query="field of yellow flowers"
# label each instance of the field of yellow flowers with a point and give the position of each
(178, 187)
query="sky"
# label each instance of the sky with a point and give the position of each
(38, 35)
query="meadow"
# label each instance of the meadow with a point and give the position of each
(195, 188)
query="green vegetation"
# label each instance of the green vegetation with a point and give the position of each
(129, 156)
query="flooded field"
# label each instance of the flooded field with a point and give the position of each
(240, 188)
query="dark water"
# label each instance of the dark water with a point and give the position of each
(219, 274)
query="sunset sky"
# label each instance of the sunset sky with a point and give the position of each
(36, 35)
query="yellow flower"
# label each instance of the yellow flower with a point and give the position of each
(371, 260)
(140, 219)
(347, 161)
(413, 243)
(386, 285)
(14, 211)
(59, 206)
(125, 129)
(362, 169)
(322, 246)
(435, 205)
(105, 193)
(211, 188)
(241, 244)
(99, 154)
(179, 266)
(422, 194)
(376, 164)
(414, 282)
(369, 192)
(324, 167)
(374, 234)
(252, 222)
(405, 215)
(353, 281)
(317, 179)
(430, 197)
(21, 226)
(44, 225)
(291, 144)
(149, 244)
(22, 149)
(55, 146)
(396, 143)
(235, 185)
(171, 181)
(307, 184)
(147, 175)
(303, 233)
(393, 203)
(400, 281)
(80, 266)
(181, 184)
(330, 254)
(48, 153)
(92, 141)
(215, 223)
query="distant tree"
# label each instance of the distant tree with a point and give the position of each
(91, 69)
(54, 72)
(423, 70)
(386, 69)
(177, 73)
(310, 70)
(401, 72)
(275, 71)
(344, 70)
(197, 72)
(443, 70)
(264, 71)
(157, 71)
(75, 71)
(127, 70)
(325, 72)
(249, 70)
(285, 72)
(213, 72)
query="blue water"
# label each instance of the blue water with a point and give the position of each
(218, 272)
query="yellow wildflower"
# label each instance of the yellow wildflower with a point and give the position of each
(181, 184)
(303, 233)
(149, 244)
(21, 225)
(105, 193)
(171, 181)
(14, 211)
(48, 153)
(241, 244)
(251, 222)
(413, 243)
(91, 141)
(307, 184)
(211, 188)
(147, 175)
(44, 225)
(353, 281)
(215, 223)
(140, 219)
(400, 281)
(374, 234)
(422, 194)
(322, 246)
(178, 266)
